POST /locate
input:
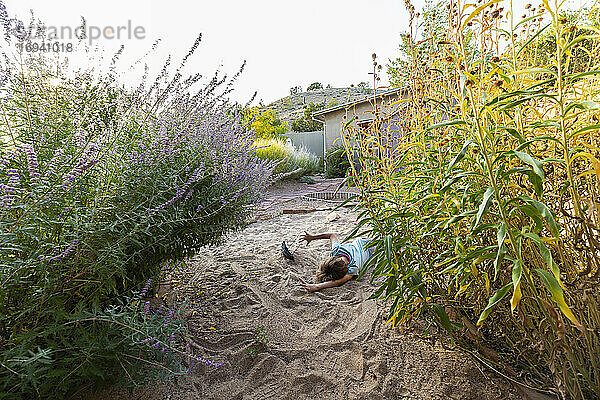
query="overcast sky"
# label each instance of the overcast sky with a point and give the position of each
(286, 43)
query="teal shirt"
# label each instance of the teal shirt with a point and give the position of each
(355, 251)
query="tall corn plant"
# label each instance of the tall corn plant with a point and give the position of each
(484, 198)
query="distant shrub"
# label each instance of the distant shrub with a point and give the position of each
(295, 90)
(265, 123)
(287, 157)
(336, 163)
(306, 123)
(314, 86)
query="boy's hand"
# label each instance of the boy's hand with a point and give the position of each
(308, 237)
(308, 286)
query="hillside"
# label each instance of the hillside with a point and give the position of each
(291, 107)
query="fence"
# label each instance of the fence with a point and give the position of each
(313, 141)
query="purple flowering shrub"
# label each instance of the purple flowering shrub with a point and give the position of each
(99, 187)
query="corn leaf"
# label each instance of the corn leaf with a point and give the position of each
(556, 291)
(513, 132)
(458, 217)
(536, 181)
(455, 179)
(501, 235)
(546, 254)
(445, 124)
(533, 37)
(582, 74)
(578, 39)
(442, 317)
(535, 164)
(517, 273)
(485, 204)
(495, 299)
(387, 245)
(534, 214)
(545, 213)
(534, 71)
(460, 154)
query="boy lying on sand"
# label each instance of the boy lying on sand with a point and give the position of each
(344, 262)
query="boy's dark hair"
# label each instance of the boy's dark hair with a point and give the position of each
(331, 270)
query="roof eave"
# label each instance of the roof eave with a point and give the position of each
(316, 114)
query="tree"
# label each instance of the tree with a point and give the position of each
(306, 123)
(314, 86)
(363, 85)
(265, 123)
(295, 90)
(581, 28)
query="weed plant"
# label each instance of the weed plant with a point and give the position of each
(484, 197)
(336, 162)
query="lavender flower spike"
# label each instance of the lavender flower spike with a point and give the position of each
(10, 189)
(145, 288)
(67, 251)
(32, 162)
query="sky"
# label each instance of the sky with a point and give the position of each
(286, 43)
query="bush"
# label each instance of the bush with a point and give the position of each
(287, 157)
(100, 186)
(314, 86)
(484, 203)
(306, 123)
(265, 123)
(336, 163)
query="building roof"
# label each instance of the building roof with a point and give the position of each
(323, 112)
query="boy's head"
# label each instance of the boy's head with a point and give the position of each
(332, 269)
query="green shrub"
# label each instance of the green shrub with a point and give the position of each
(314, 86)
(99, 187)
(265, 123)
(336, 163)
(287, 157)
(306, 123)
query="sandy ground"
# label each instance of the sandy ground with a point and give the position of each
(278, 342)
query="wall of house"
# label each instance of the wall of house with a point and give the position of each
(333, 126)
(363, 112)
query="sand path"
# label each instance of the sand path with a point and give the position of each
(278, 342)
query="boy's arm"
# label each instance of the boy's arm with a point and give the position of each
(313, 287)
(309, 238)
